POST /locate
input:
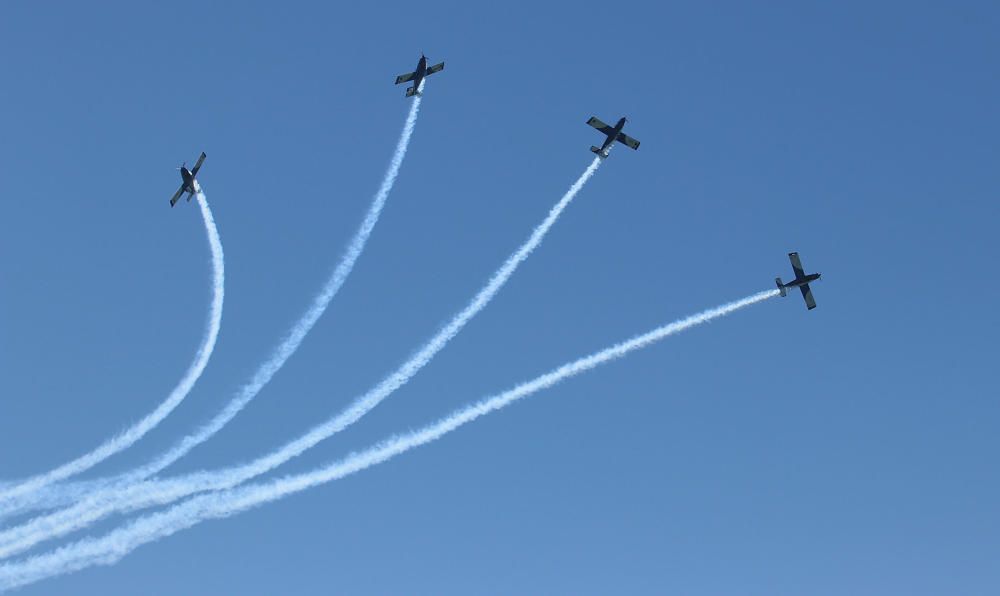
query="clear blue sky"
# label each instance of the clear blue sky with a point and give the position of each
(847, 450)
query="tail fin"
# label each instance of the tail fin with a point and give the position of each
(411, 91)
(781, 286)
(598, 151)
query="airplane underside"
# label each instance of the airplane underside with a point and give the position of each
(801, 281)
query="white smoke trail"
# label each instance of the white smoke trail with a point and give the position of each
(62, 495)
(140, 495)
(23, 490)
(111, 547)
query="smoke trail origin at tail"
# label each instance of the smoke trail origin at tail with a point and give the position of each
(21, 491)
(110, 548)
(140, 495)
(60, 496)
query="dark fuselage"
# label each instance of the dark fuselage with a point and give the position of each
(613, 136)
(188, 180)
(801, 281)
(421, 72)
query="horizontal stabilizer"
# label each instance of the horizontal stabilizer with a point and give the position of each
(411, 91)
(598, 151)
(436, 68)
(781, 287)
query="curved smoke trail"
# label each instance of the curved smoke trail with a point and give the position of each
(22, 491)
(140, 495)
(60, 496)
(110, 548)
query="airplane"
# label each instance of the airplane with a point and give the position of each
(801, 281)
(189, 184)
(418, 75)
(614, 134)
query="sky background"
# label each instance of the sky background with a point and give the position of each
(846, 450)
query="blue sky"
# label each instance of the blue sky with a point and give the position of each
(779, 451)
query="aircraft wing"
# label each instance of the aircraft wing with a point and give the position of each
(197, 166)
(404, 78)
(627, 140)
(436, 68)
(596, 123)
(177, 196)
(796, 264)
(807, 294)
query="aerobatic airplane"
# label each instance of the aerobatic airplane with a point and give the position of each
(801, 281)
(418, 75)
(614, 133)
(189, 184)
